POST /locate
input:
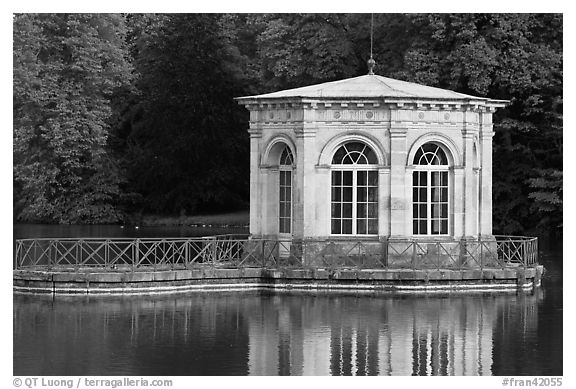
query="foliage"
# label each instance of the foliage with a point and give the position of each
(174, 141)
(66, 69)
(184, 148)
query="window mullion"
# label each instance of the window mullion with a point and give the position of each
(429, 203)
(354, 200)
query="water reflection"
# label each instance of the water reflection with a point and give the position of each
(264, 334)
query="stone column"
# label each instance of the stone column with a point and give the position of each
(485, 151)
(398, 201)
(323, 184)
(470, 212)
(255, 182)
(270, 200)
(307, 165)
(384, 201)
(458, 202)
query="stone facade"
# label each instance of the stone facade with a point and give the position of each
(392, 118)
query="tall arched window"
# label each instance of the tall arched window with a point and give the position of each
(285, 197)
(354, 190)
(430, 191)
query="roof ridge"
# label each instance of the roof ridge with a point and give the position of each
(381, 80)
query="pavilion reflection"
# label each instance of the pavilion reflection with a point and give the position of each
(272, 334)
(382, 335)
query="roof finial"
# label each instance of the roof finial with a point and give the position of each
(371, 62)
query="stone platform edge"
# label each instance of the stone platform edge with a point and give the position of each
(219, 279)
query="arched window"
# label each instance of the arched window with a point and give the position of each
(430, 188)
(354, 205)
(285, 196)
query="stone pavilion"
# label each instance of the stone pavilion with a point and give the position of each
(370, 158)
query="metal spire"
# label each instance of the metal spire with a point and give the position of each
(371, 62)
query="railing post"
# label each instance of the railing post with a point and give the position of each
(17, 254)
(50, 261)
(136, 256)
(186, 253)
(414, 252)
(78, 257)
(384, 252)
(106, 253)
(481, 253)
(262, 253)
(461, 256)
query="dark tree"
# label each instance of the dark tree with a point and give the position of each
(66, 70)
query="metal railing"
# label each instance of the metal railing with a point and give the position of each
(239, 251)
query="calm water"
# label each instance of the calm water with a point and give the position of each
(288, 334)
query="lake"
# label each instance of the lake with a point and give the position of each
(261, 333)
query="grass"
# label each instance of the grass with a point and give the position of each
(231, 219)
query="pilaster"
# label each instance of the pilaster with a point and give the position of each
(486, 182)
(384, 201)
(470, 203)
(458, 202)
(398, 200)
(305, 220)
(255, 182)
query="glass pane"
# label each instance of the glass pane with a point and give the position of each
(415, 227)
(373, 178)
(358, 158)
(423, 210)
(435, 211)
(423, 229)
(435, 195)
(336, 194)
(444, 178)
(361, 210)
(347, 194)
(347, 226)
(436, 178)
(415, 196)
(336, 226)
(372, 194)
(373, 210)
(372, 226)
(355, 146)
(444, 225)
(423, 178)
(435, 227)
(422, 194)
(362, 194)
(361, 178)
(339, 156)
(415, 210)
(336, 210)
(347, 210)
(444, 194)
(347, 178)
(285, 226)
(336, 178)
(371, 156)
(288, 193)
(415, 176)
(418, 156)
(442, 156)
(444, 212)
(288, 178)
(361, 227)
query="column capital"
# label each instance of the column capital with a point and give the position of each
(487, 134)
(255, 132)
(398, 132)
(305, 132)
